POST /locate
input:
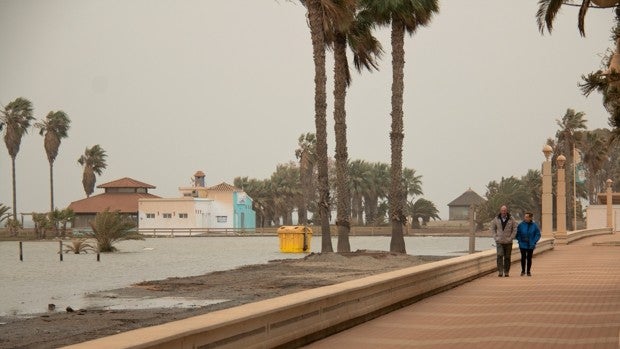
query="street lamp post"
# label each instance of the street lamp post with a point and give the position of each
(609, 200)
(560, 235)
(547, 198)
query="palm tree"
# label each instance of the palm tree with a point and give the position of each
(54, 128)
(286, 191)
(315, 20)
(405, 16)
(377, 189)
(258, 191)
(412, 184)
(607, 82)
(594, 149)
(357, 33)
(548, 9)
(359, 171)
(78, 246)
(422, 209)
(532, 184)
(509, 191)
(111, 227)
(568, 137)
(306, 153)
(15, 118)
(94, 162)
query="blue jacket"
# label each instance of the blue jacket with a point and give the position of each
(528, 235)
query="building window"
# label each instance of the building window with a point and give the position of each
(167, 215)
(182, 215)
(150, 215)
(221, 219)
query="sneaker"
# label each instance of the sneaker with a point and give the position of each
(506, 275)
(529, 274)
(499, 275)
(522, 273)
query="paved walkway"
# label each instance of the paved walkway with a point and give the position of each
(571, 301)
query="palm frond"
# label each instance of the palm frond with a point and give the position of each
(547, 10)
(582, 14)
(596, 81)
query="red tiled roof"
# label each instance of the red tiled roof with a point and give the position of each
(224, 187)
(124, 202)
(126, 183)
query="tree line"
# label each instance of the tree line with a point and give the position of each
(292, 187)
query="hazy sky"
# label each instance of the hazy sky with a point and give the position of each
(170, 87)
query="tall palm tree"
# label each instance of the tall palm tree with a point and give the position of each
(594, 149)
(15, 118)
(405, 16)
(54, 128)
(548, 9)
(315, 19)
(569, 136)
(94, 162)
(355, 32)
(306, 153)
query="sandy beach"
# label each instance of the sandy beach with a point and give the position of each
(229, 288)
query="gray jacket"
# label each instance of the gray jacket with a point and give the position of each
(503, 235)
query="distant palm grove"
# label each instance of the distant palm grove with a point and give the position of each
(356, 191)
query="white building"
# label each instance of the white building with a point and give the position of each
(222, 206)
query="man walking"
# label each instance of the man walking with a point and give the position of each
(503, 230)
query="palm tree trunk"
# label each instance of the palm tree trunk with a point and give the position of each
(51, 186)
(305, 172)
(14, 188)
(315, 17)
(343, 216)
(397, 243)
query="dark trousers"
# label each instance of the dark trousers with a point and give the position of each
(526, 256)
(503, 258)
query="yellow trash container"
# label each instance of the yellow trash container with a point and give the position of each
(294, 238)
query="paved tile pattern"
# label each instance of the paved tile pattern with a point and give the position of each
(571, 301)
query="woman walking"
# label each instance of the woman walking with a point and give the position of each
(528, 235)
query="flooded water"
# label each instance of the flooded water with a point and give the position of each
(28, 286)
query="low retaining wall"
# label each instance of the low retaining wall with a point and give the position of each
(300, 318)
(580, 234)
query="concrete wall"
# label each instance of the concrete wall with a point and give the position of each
(173, 207)
(596, 216)
(300, 318)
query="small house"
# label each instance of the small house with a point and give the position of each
(459, 207)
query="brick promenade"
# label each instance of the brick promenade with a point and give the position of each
(571, 301)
